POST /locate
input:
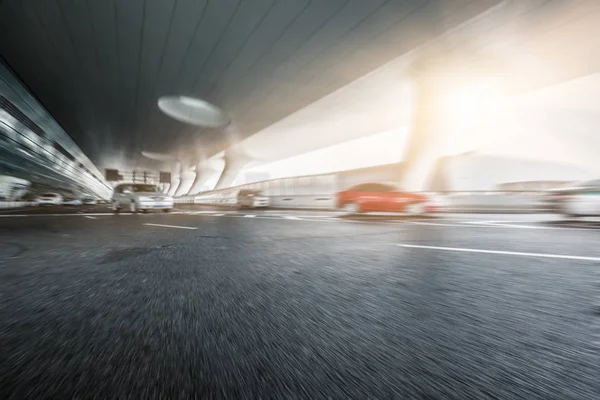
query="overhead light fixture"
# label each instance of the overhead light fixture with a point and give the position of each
(193, 111)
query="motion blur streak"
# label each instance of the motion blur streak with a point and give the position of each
(299, 199)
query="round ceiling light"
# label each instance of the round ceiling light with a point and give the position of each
(193, 111)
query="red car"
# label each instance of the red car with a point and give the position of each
(383, 197)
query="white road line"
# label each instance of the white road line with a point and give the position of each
(490, 222)
(317, 216)
(13, 215)
(440, 224)
(498, 225)
(249, 216)
(293, 218)
(89, 217)
(479, 224)
(507, 253)
(172, 226)
(515, 225)
(219, 215)
(505, 224)
(322, 220)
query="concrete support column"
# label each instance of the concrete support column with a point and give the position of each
(204, 171)
(437, 80)
(186, 179)
(235, 161)
(425, 135)
(175, 179)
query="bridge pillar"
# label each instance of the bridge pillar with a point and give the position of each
(438, 81)
(235, 161)
(426, 130)
(175, 179)
(204, 171)
(186, 179)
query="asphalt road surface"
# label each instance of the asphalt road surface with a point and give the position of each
(207, 303)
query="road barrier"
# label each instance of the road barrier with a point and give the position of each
(320, 192)
(524, 202)
(494, 202)
(14, 204)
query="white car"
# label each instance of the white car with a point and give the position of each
(72, 202)
(252, 199)
(140, 197)
(579, 200)
(49, 199)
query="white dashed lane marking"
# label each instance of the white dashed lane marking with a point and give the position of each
(517, 225)
(89, 217)
(501, 252)
(172, 226)
(335, 217)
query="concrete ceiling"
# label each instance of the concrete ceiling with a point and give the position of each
(99, 66)
(528, 49)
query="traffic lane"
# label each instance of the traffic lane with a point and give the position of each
(548, 219)
(63, 237)
(104, 230)
(518, 328)
(465, 235)
(470, 232)
(519, 237)
(272, 307)
(62, 209)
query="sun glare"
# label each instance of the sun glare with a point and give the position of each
(468, 109)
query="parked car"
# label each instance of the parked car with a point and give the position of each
(252, 199)
(383, 197)
(577, 200)
(140, 197)
(49, 199)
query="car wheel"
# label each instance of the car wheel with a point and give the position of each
(133, 207)
(351, 208)
(416, 209)
(167, 210)
(115, 207)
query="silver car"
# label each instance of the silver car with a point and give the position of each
(140, 197)
(252, 199)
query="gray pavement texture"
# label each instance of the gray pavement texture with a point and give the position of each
(316, 307)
